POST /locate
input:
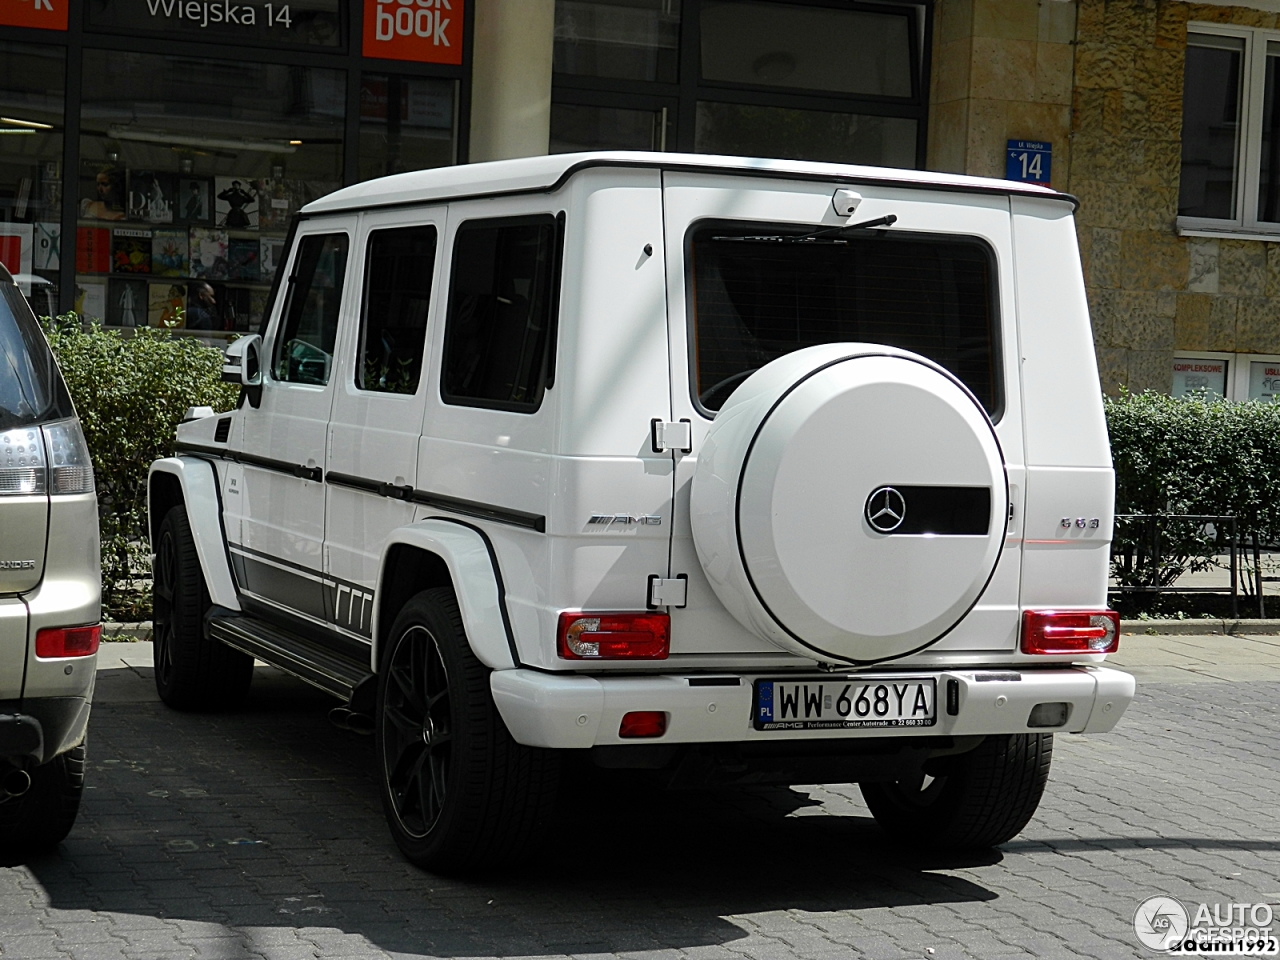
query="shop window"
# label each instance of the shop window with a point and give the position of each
(500, 338)
(1201, 374)
(627, 39)
(406, 123)
(304, 344)
(809, 48)
(753, 130)
(397, 298)
(769, 78)
(1230, 182)
(31, 184)
(190, 172)
(577, 127)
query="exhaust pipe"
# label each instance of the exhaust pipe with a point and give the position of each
(344, 718)
(15, 783)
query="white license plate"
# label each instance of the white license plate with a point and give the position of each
(840, 703)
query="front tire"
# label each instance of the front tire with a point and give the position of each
(192, 671)
(43, 816)
(985, 798)
(460, 795)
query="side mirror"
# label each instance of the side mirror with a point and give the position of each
(242, 366)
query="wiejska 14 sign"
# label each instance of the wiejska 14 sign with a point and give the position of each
(307, 23)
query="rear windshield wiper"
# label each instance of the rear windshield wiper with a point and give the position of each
(829, 235)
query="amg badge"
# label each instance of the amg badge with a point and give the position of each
(608, 519)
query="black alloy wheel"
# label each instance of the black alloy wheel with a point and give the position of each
(193, 672)
(417, 731)
(164, 575)
(460, 795)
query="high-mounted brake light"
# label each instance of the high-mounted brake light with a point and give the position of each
(1070, 631)
(614, 636)
(68, 641)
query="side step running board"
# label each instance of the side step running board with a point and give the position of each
(308, 661)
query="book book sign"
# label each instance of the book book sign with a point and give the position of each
(429, 31)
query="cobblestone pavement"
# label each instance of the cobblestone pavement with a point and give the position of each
(259, 834)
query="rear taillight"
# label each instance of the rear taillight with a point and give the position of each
(1070, 631)
(53, 459)
(614, 636)
(22, 470)
(57, 642)
(70, 469)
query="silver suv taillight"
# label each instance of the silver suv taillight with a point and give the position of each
(53, 458)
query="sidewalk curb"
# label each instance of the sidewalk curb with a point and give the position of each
(1199, 628)
(113, 632)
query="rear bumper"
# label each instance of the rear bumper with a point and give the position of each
(571, 711)
(42, 728)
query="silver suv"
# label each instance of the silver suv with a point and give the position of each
(50, 586)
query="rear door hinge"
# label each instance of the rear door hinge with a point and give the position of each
(665, 435)
(668, 593)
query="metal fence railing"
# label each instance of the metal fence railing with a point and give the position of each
(1138, 555)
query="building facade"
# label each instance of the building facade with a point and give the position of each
(152, 152)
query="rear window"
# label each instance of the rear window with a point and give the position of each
(31, 389)
(757, 295)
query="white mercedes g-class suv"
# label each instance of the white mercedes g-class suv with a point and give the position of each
(50, 587)
(735, 471)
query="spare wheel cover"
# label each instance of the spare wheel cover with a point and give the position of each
(870, 503)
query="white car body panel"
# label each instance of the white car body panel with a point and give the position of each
(199, 482)
(464, 551)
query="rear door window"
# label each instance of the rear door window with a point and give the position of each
(499, 340)
(758, 293)
(393, 325)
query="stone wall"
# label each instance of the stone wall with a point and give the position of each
(1001, 71)
(1152, 292)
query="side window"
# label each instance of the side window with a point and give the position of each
(304, 346)
(393, 323)
(499, 340)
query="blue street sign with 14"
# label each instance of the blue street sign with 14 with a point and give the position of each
(1029, 161)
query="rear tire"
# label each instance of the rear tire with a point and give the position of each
(43, 816)
(460, 795)
(192, 671)
(986, 797)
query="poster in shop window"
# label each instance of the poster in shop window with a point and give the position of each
(1264, 380)
(1192, 375)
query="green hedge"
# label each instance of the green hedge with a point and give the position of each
(1192, 455)
(130, 393)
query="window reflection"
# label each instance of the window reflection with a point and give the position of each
(629, 39)
(31, 104)
(748, 130)
(190, 171)
(1210, 126)
(810, 48)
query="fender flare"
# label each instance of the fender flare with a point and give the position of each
(198, 480)
(477, 584)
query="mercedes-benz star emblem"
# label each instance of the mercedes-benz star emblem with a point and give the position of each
(886, 509)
